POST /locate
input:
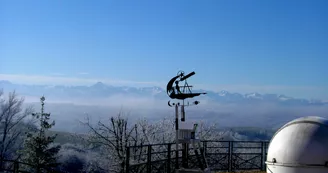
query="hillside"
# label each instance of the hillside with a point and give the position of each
(67, 137)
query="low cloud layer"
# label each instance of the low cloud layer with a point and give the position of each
(226, 115)
(69, 107)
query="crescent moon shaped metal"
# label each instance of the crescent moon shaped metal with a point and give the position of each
(169, 103)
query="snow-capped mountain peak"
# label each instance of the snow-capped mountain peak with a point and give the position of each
(223, 93)
(254, 95)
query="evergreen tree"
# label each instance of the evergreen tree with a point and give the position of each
(38, 147)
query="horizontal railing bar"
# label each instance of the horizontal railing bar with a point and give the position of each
(205, 141)
(246, 154)
(247, 147)
(217, 147)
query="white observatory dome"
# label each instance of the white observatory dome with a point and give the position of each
(300, 146)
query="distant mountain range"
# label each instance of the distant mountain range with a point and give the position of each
(101, 90)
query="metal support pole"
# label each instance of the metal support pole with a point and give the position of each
(182, 113)
(177, 136)
(184, 145)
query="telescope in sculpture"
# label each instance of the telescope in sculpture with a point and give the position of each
(175, 91)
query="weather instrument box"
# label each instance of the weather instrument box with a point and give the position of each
(187, 131)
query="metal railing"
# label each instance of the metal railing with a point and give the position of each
(220, 156)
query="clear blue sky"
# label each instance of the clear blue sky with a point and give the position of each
(227, 42)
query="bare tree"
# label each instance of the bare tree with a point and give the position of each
(163, 131)
(11, 118)
(113, 137)
(210, 131)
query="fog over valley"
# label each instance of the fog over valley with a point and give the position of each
(71, 104)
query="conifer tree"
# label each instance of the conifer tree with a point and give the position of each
(38, 147)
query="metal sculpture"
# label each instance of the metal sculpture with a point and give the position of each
(175, 91)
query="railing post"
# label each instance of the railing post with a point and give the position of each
(16, 167)
(1, 163)
(230, 155)
(264, 147)
(149, 159)
(205, 147)
(262, 156)
(127, 160)
(186, 155)
(177, 158)
(168, 158)
(205, 153)
(38, 169)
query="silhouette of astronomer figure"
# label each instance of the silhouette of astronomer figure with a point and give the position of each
(177, 87)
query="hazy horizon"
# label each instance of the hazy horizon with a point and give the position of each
(68, 109)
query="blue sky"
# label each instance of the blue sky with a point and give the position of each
(247, 46)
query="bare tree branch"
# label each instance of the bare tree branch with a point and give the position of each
(12, 115)
(115, 135)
